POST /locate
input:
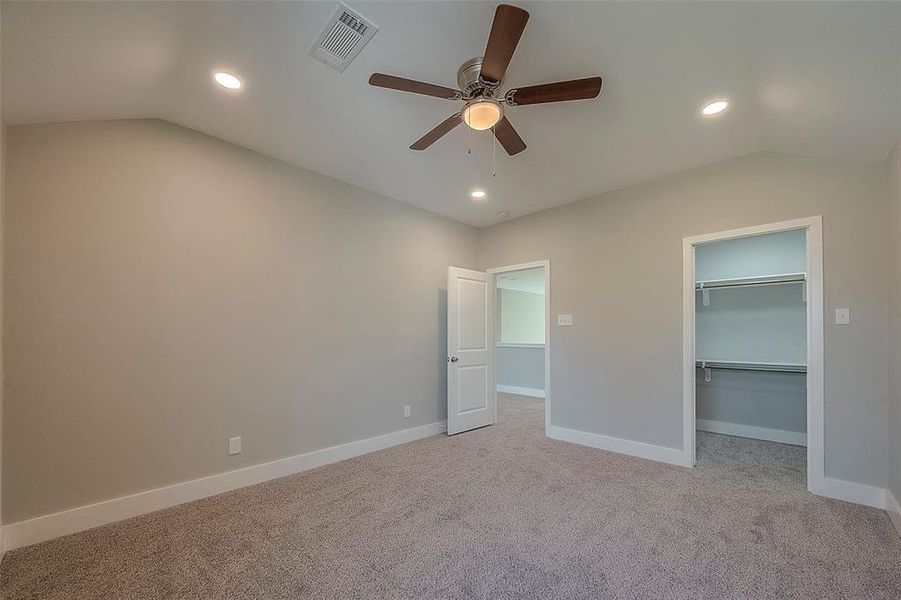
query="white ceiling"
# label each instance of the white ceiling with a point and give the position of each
(527, 280)
(809, 78)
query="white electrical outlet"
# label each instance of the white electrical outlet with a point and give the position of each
(407, 411)
(564, 320)
(234, 445)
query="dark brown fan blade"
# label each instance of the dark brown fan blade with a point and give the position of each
(508, 137)
(437, 133)
(577, 89)
(409, 85)
(509, 23)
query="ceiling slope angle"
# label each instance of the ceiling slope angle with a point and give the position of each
(813, 78)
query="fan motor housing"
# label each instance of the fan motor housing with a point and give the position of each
(468, 79)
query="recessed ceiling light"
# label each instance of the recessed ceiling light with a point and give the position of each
(477, 194)
(503, 213)
(715, 108)
(227, 80)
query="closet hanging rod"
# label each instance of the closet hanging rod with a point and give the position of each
(784, 279)
(732, 365)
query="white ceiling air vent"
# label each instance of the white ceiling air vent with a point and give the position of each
(342, 39)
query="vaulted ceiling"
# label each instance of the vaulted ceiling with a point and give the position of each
(809, 78)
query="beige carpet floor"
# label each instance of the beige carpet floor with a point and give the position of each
(501, 512)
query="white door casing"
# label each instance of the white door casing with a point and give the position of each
(471, 398)
(817, 482)
(546, 265)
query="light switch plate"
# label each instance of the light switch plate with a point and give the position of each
(564, 320)
(842, 316)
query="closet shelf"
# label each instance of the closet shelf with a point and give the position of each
(782, 279)
(735, 365)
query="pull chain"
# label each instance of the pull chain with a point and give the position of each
(494, 151)
(468, 139)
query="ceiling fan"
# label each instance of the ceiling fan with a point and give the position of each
(480, 80)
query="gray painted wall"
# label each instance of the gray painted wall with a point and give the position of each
(520, 367)
(616, 265)
(166, 291)
(893, 190)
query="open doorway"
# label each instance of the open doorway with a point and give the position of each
(754, 348)
(522, 310)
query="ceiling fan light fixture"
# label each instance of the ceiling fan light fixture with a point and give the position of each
(482, 114)
(480, 80)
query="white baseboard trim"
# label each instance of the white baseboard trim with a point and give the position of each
(46, 527)
(849, 491)
(893, 509)
(673, 456)
(522, 391)
(795, 438)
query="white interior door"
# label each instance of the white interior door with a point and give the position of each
(470, 358)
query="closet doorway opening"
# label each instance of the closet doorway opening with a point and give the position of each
(521, 344)
(753, 345)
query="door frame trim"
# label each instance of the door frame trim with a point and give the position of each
(816, 468)
(546, 263)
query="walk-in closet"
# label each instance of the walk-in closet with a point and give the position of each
(750, 337)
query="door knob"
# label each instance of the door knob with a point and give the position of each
(454, 359)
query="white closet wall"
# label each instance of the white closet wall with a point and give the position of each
(752, 324)
(770, 254)
(521, 317)
(773, 401)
